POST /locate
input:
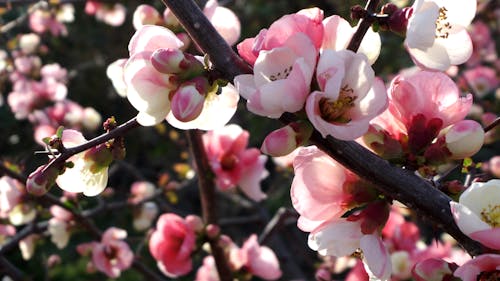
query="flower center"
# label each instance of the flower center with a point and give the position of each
(282, 74)
(335, 111)
(491, 215)
(228, 162)
(443, 26)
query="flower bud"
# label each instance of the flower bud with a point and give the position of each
(174, 61)
(464, 139)
(283, 141)
(213, 231)
(194, 222)
(187, 102)
(431, 270)
(186, 40)
(41, 180)
(170, 19)
(145, 14)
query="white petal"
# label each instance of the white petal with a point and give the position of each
(466, 220)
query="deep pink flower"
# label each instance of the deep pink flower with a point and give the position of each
(171, 245)
(233, 163)
(259, 260)
(307, 21)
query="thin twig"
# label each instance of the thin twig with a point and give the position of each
(363, 26)
(206, 186)
(12, 271)
(276, 223)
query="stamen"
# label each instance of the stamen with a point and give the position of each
(442, 25)
(281, 75)
(335, 111)
(491, 215)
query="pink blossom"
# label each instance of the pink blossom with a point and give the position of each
(259, 260)
(171, 245)
(479, 266)
(283, 141)
(436, 37)
(425, 103)
(41, 20)
(224, 21)
(11, 194)
(234, 164)
(494, 166)
(431, 270)
(322, 190)
(307, 22)
(481, 79)
(114, 71)
(59, 226)
(281, 78)
(112, 255)
(476, 212)
(141, 190)
(338, 33)
(6, 230)
(483, 44)
(144, 215)
(350, 95)
(112, 14)
(207, 271)
(464, 139)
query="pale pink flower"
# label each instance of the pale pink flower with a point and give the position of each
(224, 20)
(171, 245)
(338, 33)
(11, 193)
(483, 264)
(27, 246)
(233, 163)
(481, 79)
(281, 79)
(432, 95)
(143, 217)
(82, 177)
(259, 260)
(29, 43)
(321, 188)
(114, 71)
(350, 95)
(113, 15)
(147, 89)
(476, 212)
(59, 226)
(141, 190)
(42, 20)
(342, 237)
(112, 255)
(436, 37)
(431, 270)
(306, 21)
(494, 166)
(483, 44)
(283, 141)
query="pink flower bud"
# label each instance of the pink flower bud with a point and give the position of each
(145, 14)
(323, 274)
(431, 270)
(41, 180)
(464, 139)
(170, 19)
(283, 141)
(174, 61)
(194, 222)
(188, 100)
(212, 231)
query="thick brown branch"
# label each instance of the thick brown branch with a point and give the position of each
(400, 184)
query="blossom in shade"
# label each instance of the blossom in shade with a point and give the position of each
(171, 245)
(233, 163)
(85, 176)
(349, 97)
(112, 255)
(477, 212)
(436, 36)
(257, 260)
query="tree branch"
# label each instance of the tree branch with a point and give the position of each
(400, 184)
(206, 186)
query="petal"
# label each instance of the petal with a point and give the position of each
(151, 37)
(339, 238)
(458, 45)
(488, 238)
(466, 220)
(376, 256)
(249, 182)
(422, 26)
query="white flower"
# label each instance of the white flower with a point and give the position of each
(436, 37)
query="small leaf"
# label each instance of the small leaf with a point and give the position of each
(59, 131)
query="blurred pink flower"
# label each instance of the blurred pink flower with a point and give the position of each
(112, 255)
(234, 164)
(258, 260)
(171, 245)
(11, 194)
(479, 266)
